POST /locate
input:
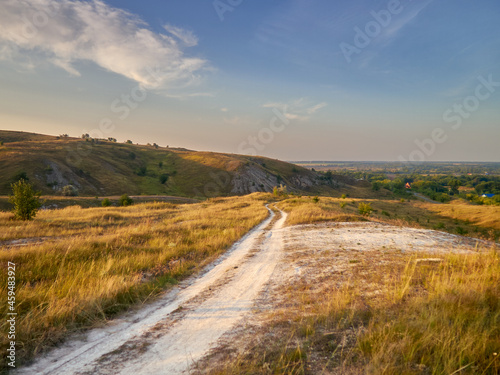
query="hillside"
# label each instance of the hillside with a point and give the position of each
(101, 168)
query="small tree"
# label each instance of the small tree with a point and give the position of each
(125, 200)
(25, 200)
(106, 202)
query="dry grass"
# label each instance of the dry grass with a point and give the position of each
(96, 262)
(395, 314)
(471, 220)
(371, 312)
(484, 216)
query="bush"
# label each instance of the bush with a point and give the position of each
(163, 178)
(69, 191)
(106, 202)
(125, 200)
(142, 171)
(343, 196)
(315, 199)
(26, 202)
(343, 204)
(365, 209)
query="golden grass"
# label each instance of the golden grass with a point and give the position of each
(376, 312)
(471, 220)
(485, 216)
(99, 261)
(396, 314)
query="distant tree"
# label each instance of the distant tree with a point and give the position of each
(85, 136)
(131, 155)
(21, 176)
(63, 135)
(125, 200)
(155, 145)
(142, 171)
(163, 178)
(25, 200)
(129, 141)
(160, 164)
(111, 139)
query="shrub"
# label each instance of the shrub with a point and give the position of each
(280, 191)
(69, 191)
(315, 199)
(343, 196)
(142, 171)
(343, 204)
(106, 202)
(365, 209)
(163, 178)
(25, 200)
(125, 200)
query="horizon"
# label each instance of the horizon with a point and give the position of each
(383, 81)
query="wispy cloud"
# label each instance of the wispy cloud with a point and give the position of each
(299, 109)
(65, 32)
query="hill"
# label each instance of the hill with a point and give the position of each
(101, 168)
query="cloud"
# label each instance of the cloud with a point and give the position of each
(224, 109)
(299, 109)
(65, 32)
(187, 37)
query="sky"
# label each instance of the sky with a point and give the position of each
(295, 80)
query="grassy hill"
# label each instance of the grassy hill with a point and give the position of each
(101, 168)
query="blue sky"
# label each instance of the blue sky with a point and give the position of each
(295, 80)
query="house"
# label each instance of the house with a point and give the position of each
(488, 195)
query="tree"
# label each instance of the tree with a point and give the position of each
(106, 202)
(25, 200)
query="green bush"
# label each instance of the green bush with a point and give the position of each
(163, 178)
(25, 200)
(125, 200)
(106, 202)
(365, 209)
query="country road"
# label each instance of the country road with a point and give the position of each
(171, 334)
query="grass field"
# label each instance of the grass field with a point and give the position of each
(386, 312)
(94, 263)
(76, 268)
(464, 219)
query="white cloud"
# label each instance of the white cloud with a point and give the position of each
(299, 109)
(64, 32)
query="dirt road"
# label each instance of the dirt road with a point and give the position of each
(171, 334)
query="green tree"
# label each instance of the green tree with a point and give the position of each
(106, 202)
(25, 200)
